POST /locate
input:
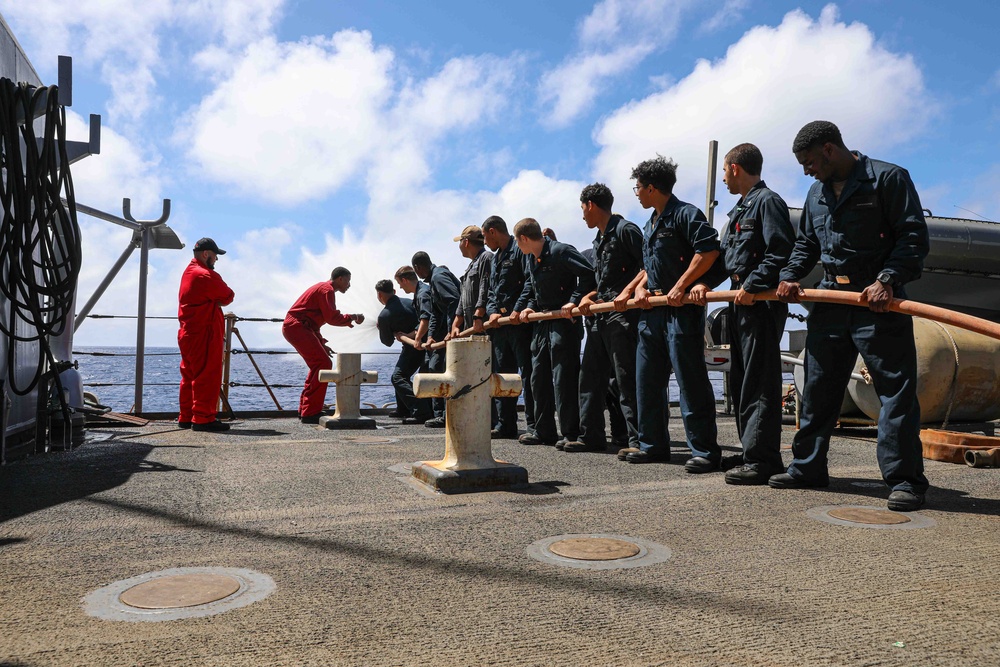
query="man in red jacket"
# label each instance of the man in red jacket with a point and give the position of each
(317, 306)
(203, 293)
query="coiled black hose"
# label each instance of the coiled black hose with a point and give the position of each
(40, 249)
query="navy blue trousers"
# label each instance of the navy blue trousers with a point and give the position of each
(619, 429)
(409, 362)
(436, 364)
(674, 339)
(512, 354)
(755, 380)
(609, 353)
(555, 360)
(835, 335)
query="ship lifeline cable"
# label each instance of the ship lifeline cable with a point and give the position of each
(40, 248)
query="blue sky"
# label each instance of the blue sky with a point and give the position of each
(303, 135)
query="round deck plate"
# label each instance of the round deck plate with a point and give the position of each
(869, 516)
(182, 590)
(368, 440)
(864, 516)
(597, 552)
(594, 548)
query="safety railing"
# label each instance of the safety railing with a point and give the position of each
(241, 348)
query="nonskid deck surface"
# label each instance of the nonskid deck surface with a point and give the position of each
(369, 569)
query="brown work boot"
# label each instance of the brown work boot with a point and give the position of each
(625, 451)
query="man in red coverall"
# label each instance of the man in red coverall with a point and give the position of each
(200, 338)
(317, 306)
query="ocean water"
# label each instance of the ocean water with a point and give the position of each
(109, 373)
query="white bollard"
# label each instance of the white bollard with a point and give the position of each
(468, 384)
(349, 377)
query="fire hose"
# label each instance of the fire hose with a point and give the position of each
(903, 306)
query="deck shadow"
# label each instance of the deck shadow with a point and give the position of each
(38, 483)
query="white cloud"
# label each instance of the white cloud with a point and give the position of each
(118, 37)
(575, 84)
(769, 84)
(236, 22)
(424, 219)
(102, 181)
(120, 170)
(730, 13)
(294, 121)
(614, 38)
(123, 39)
(612, 21)
(467, 92)
(328, 109)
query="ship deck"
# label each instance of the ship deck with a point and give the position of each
(370, 569)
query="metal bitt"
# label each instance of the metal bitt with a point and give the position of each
(349, 377)
(468, 383)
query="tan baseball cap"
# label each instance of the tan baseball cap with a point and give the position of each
(472, 232)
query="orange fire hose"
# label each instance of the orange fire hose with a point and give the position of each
(904, 306)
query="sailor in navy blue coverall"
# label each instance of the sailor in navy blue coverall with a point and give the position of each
(863, 220)
(410, 283)
(398, 317)
(509, 291)
(444, 291)
(756, 243)
(680, 249)
(559, 277)
(611, 337)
